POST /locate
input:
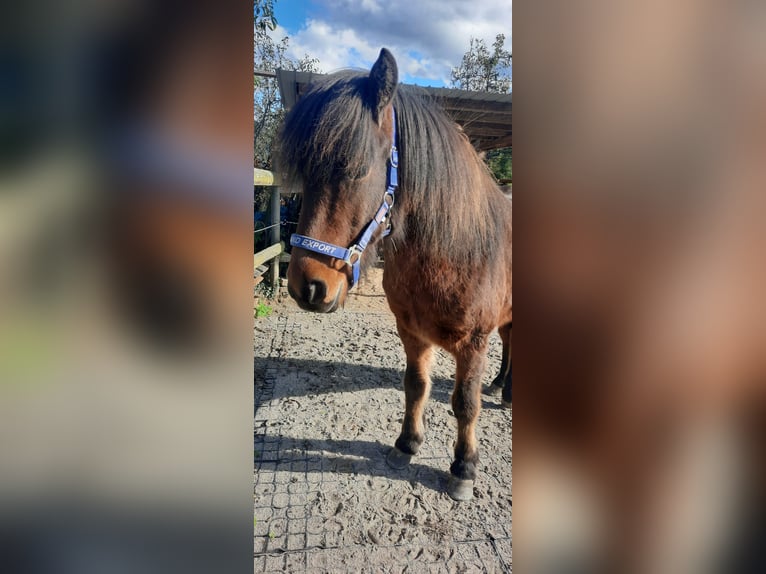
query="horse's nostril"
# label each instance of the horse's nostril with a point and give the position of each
(316, 291)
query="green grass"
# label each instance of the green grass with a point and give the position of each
(261, 310)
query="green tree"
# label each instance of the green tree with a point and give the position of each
(485, 71)
(482, 70)
(263, 14)
(500, 162)
(268, 56)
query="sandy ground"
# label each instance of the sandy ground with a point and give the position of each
(328, 406)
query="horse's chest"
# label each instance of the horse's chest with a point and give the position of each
(430, 300)
(410, 282)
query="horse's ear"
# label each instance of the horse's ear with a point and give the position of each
(384, 77)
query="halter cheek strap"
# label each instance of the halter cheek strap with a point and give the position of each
(352, 255)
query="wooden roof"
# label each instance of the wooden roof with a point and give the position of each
(485, 117)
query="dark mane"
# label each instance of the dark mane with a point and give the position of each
(445, 190)
(328, 134)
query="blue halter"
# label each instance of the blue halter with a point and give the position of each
(353, 255)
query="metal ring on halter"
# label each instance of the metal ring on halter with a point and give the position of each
(351, 251)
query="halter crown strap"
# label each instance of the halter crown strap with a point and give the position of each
(353, 255)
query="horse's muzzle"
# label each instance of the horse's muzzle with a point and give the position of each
(312, 297)
(314, 284)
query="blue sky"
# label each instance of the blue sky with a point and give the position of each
(428, 37)
(292, 14)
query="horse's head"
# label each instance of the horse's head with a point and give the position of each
(335, 144)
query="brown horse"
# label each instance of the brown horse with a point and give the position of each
(447, 271)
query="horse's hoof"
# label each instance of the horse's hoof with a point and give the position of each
(506, 404)
(492, 390)
(398, 459)
(460, 490)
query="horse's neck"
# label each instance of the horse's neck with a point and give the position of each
(448, 232)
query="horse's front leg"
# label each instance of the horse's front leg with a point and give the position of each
(466, 404)
(417, 386)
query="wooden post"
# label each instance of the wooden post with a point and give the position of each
(275, 216)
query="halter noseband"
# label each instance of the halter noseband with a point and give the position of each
(353, 255)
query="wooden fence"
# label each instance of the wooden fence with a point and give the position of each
(262, 177)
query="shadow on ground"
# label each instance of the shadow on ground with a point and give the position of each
(357, 457)
(279, 378)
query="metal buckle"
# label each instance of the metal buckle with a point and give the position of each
(394, 157)
(353, 250)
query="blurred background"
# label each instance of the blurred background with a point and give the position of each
(639, 339)
(125, 286)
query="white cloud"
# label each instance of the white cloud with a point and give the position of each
(334, 48)
(428, 37)
(372, 6)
